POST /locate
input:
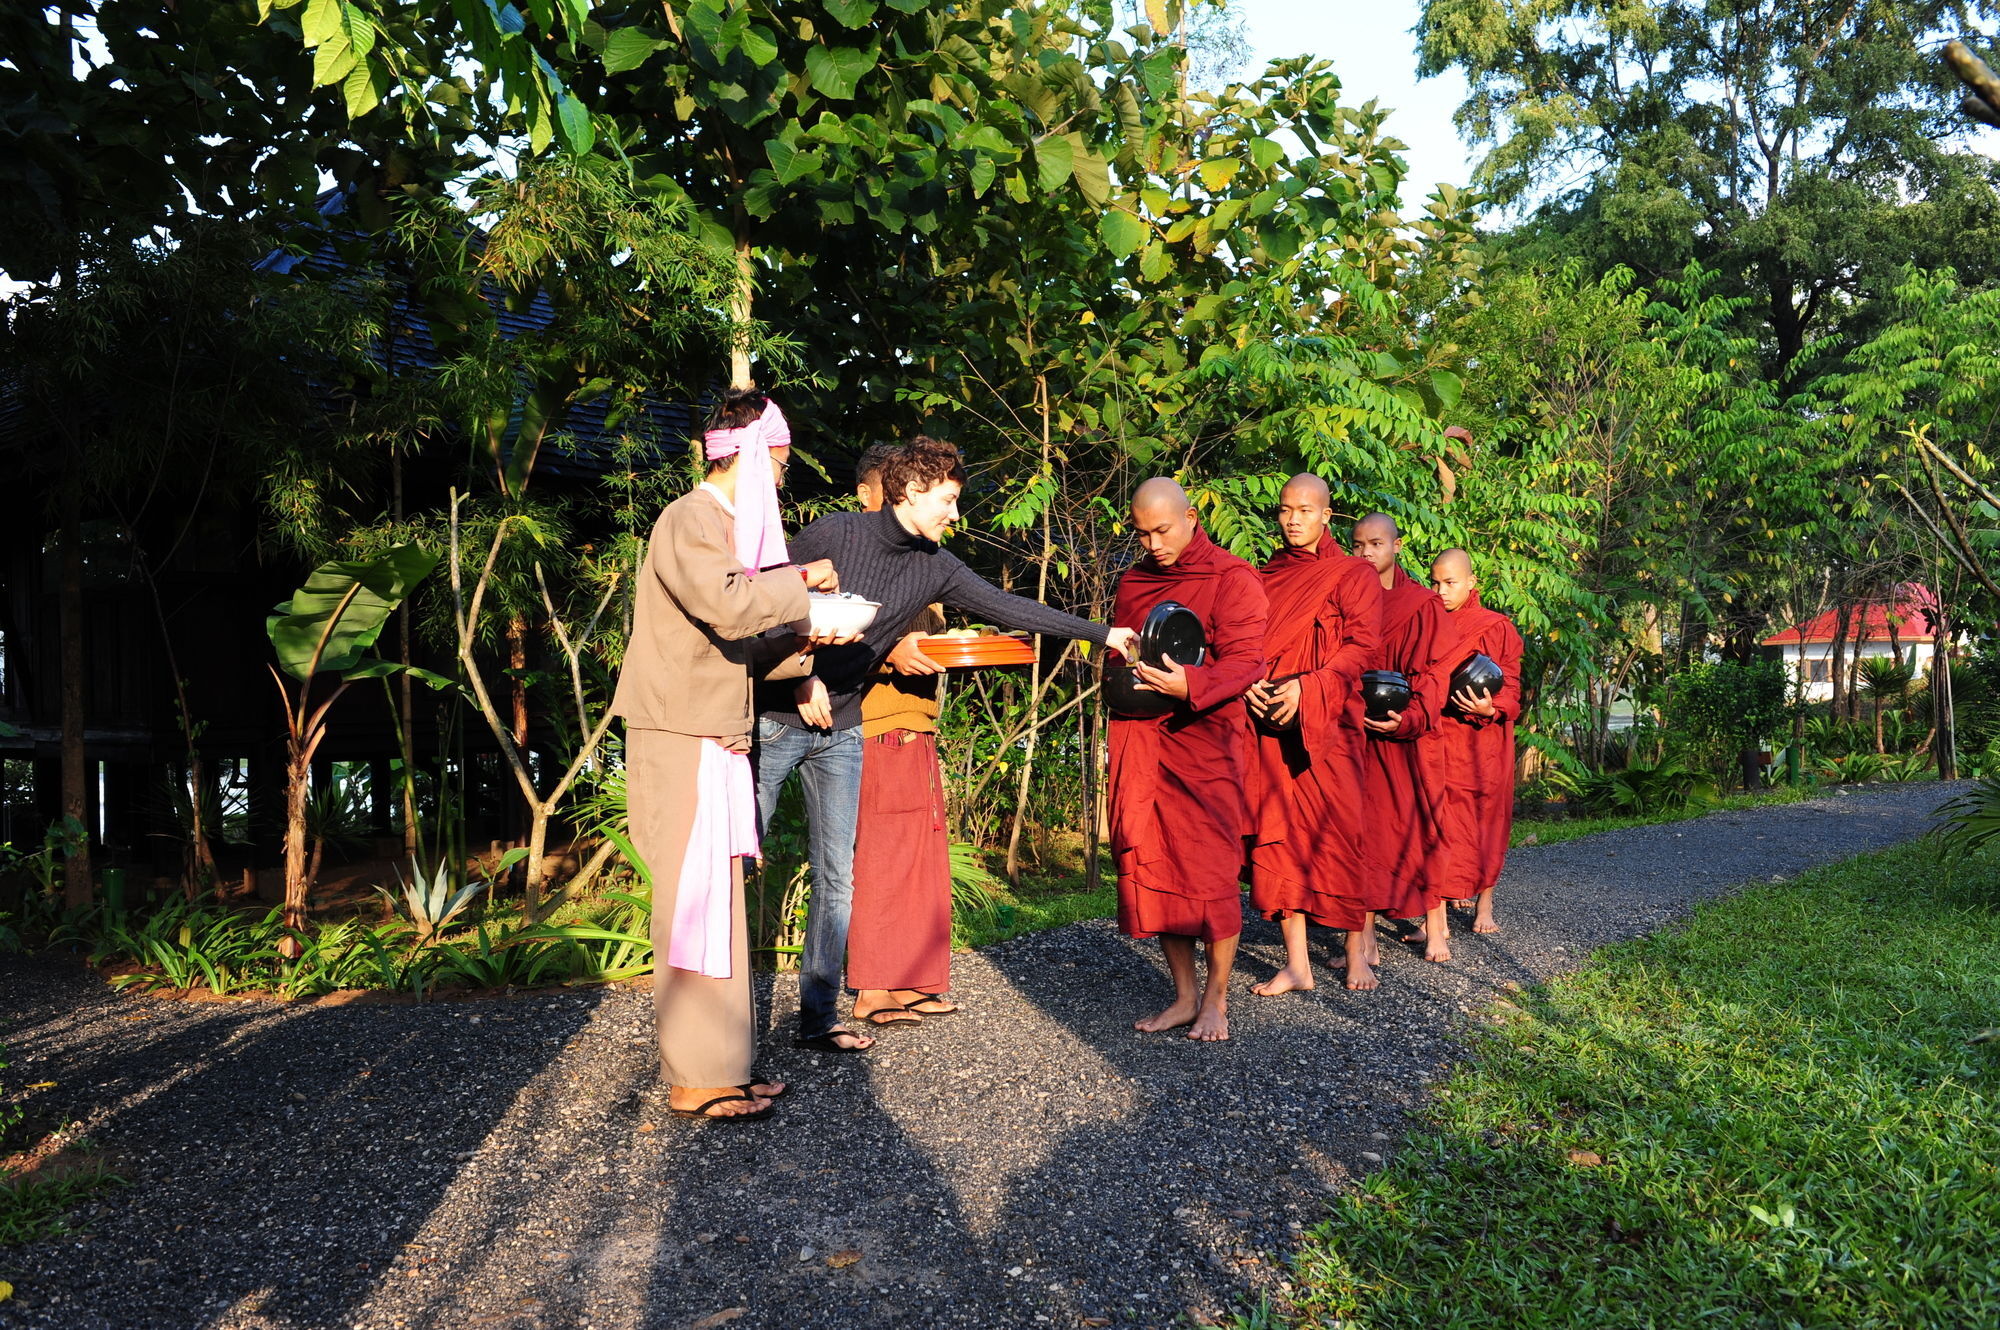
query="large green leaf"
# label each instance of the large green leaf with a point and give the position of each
(627, 50)
(1123, 233)
(835, 70)
(344, 605)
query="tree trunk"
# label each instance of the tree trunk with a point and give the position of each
(78, 883)
(1944, 714)
(1836, 672)
(406, 741)
(298, 881)
(739, 312)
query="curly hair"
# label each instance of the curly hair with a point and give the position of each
(923, 463)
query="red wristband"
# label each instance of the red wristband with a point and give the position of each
(804, 576)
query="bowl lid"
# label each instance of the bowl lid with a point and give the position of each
(1172, 629)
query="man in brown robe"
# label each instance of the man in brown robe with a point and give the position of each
(1179, 814)
(1474, 740)
(1323, 630)
(1400, 790)
(686, 682)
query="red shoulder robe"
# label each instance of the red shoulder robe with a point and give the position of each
(1474, 756)
(1179, 813)
(1400, 794)
(1325, 627)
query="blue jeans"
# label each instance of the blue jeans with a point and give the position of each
(830, 764)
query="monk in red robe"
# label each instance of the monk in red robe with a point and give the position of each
(1179, 812)
(1399, 789)
(1474, 740)
(1324, 629)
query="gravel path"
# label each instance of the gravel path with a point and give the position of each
(1034, 1162)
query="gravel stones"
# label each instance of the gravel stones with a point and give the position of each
(1035, 1161)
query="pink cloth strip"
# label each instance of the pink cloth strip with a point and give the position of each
(725, 828)
(760, 538)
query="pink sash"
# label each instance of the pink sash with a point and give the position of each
(725, 828)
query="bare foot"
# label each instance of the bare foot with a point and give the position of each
(1484, 924)
(1360, 976)
(1371, 948)
(1286, 980)
(1181, 1013)
(1211, 1026)
(1438, 950)
(764, 1089)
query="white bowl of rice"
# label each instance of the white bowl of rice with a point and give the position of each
(838, 614)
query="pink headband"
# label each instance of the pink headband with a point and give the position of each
(769, 429)
(760, 537)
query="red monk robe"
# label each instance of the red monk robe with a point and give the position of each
(1325, 627)
(1179, 812)
(1473, 756)
(1401, 779)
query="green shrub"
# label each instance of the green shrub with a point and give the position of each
(1645, 791)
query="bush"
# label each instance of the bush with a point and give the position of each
(1726, 710)
(1644, 791)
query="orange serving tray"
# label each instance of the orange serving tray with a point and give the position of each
(972, 653)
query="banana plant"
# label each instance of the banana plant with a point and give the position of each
(327, 627)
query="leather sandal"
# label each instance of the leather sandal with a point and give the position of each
(701, 1110)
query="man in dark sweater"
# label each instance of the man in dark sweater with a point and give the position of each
(814, 727)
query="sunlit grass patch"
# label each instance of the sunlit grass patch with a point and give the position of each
(1771, 1116)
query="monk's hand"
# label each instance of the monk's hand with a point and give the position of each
(908, 657)
(820, 575)
(1281, 701)
(1258, 698)
(1172, 680)
(1475, 704)
(1125, 642)
(815, 707)
(1389, 724)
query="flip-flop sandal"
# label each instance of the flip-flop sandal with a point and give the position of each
(951, 1008)
(745, 1088)
(874, 1017)
(701, 1110)
(830, 1042)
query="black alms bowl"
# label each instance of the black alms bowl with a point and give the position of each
(1384, 691)
(1124, 696)
(1172, 630)
(1477, 675)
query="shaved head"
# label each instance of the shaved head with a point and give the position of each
(1451, 574)
(1304, 510)
(1378, 522)
(1163, 518)
(1306, 485)
(1160, 492)
(1377, 540)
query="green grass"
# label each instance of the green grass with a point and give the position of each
(1554, 830)
(1773, 1116)
(35, 1208)
(1043, 901)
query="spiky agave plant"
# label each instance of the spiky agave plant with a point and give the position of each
(429, 899)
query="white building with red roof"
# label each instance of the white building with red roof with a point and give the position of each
(1874, 631)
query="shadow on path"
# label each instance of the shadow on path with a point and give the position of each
(1034, 1161)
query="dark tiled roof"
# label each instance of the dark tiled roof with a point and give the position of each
(582, 444)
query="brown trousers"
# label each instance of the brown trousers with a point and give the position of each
(707, 1027)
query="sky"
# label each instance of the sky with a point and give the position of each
(1375, 54)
